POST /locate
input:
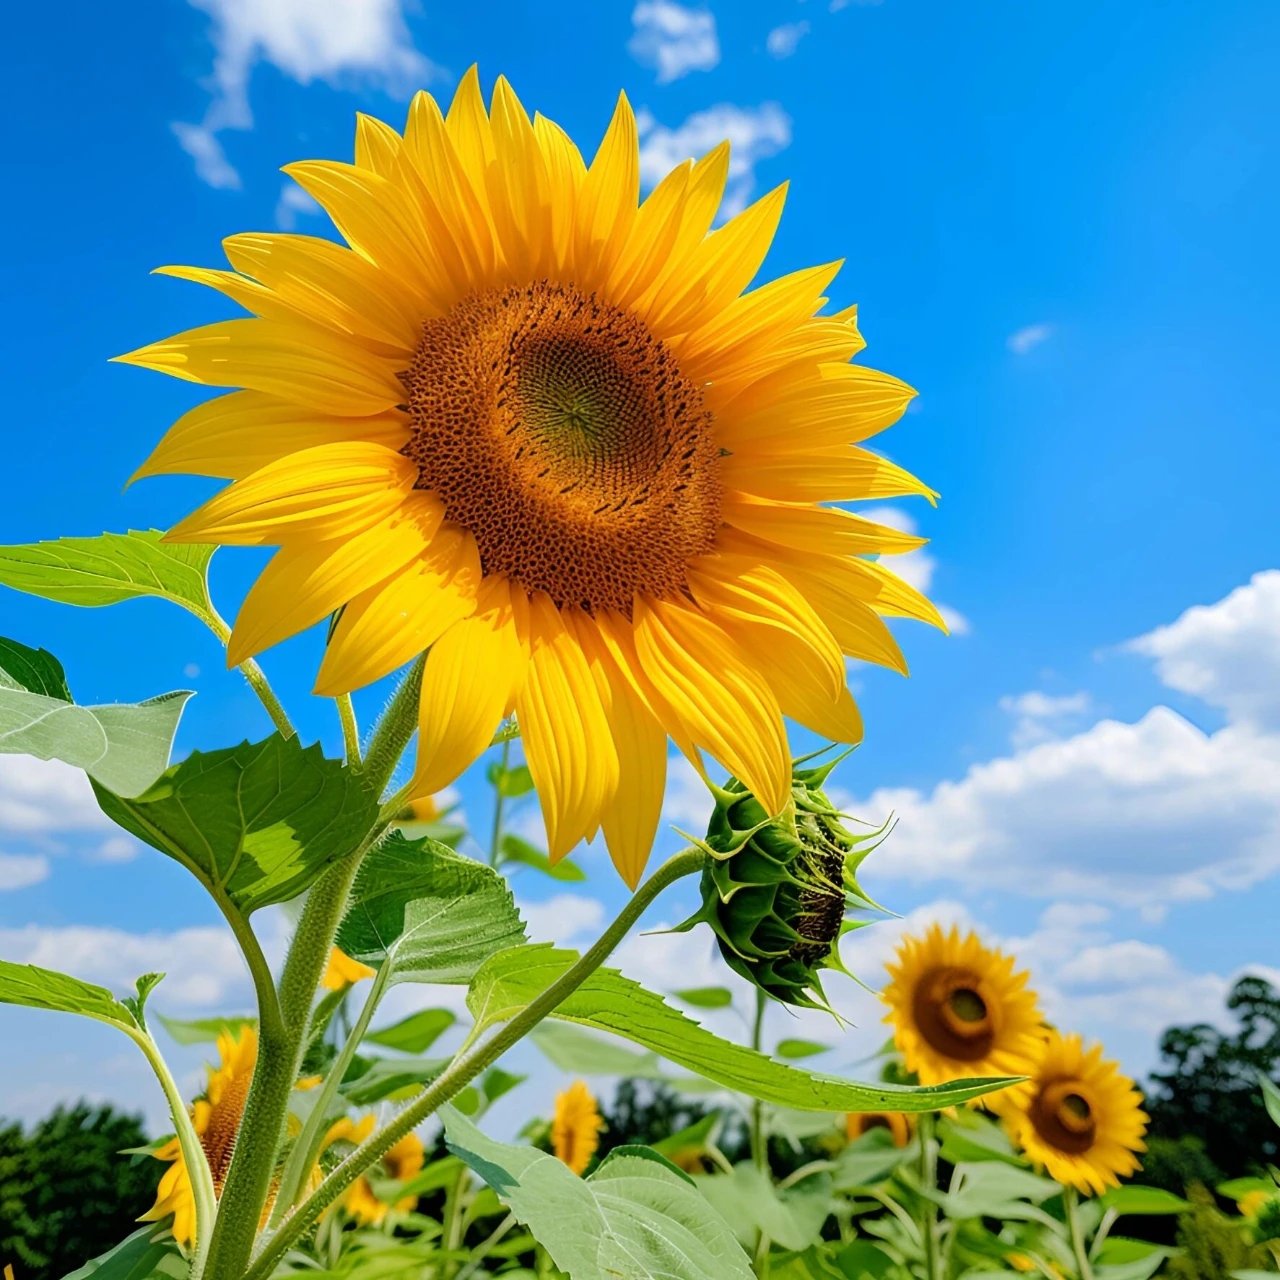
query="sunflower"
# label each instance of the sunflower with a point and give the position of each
(537, 428)
(401, 1162)
(216, 1118)
(959, 1008)
(1077, 1115)
(575, 1126)
(342, 971)
(857, 1123)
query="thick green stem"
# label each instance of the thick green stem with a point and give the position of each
(394, 729)
(1071, 1205)
(928, 1185)
(465, 1067)
(253, 673)
(350, 729)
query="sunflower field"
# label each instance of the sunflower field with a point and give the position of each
(561, 481)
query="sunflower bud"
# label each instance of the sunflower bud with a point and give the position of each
(776, 889)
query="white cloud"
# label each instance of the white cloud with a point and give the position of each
(293, 202)
(915, 567)
(566, 919)
(1041, 716)
(21, 870)
(363, 41)
(117, 849)
(783, 41)
(1024, 340)
(754, 134)
(1227, 654)
(673, 39)
(40, 797)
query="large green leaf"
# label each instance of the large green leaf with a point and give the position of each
(370, 1080)
(28, 984)
(110, 568)
(636, 1216)
(608, 1001)
(124, 746)
(432, 914)
(255, 823)
(137, 1257)
(574, 1050)
(1132, 1198)
(750, 1203)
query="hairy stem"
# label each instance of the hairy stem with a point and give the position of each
(465, 1067)
(395, 727)
(253, 673)
(499, 799)
(350, 729)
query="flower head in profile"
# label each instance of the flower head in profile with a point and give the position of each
(216, 1119)
(960, 1009)
(342, 971)
(1077, 1116)
(400, 1163)
(543, 431)
(576, 1126)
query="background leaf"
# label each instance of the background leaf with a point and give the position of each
(706, 997)
(137, 1257)
(515, 849)
(203, 1030)
(432, 914)
(636, 1216)
(257, 823)
(28, 984)
(35, 670)
(608, 1001)
(750, 1203)
(416, 1033)
(1135, 1199)
(794, 1048)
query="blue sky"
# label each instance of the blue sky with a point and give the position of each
(1058, 221)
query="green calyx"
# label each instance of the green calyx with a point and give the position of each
(777, 890)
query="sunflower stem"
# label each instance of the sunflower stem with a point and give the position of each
(395, 727)
(253, 674)
(499, 799)
(465, 1067)
(1071, 1206)
(350, 729)
(927, 1129)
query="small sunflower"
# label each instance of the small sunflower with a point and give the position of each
(538, 428)
(342, 971)
(576, 1126)
(1077, 1116)
(216, 1118)
(958, 1008)
(402, 1161)
(859, 1122)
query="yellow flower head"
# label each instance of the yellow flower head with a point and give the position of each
(576, 1126)
(959, 1008)
(1253, 1202)
(216, 1119)
(1077, 1116)
(538, 427)
(342, 971)
(401, 1162)
(857, 1123)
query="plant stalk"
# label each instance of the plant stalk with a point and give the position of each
(253, 674)
(350, 729)
(927, 1128)
(395, 727)
(1071, 1205)
(499, 800)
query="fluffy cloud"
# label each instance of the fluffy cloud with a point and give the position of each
(1028, 338)
(916, 567)
(783, 41)
(1040, 716)
(358, 40)
(293, 202)
(21, 870)
(40, 797)
(673, 39)
(754, 134)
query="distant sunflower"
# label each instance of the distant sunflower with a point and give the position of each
(216, 1118)
(575, 1126)
(342, 971)
(959, 1008)
(400, 1162)
(537, 427)
(895, 1122)
(1077, 1116)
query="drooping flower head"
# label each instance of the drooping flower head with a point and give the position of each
(1077, 1116)
(576, 1126)
(539, 428)
(960, 1009)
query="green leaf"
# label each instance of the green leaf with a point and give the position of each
(636, 1216)
(432, 914)
(862, 1260)
(1270, 1097)
(608, 1001)
(124, 746)
(371, 1080)
(256, 823)
(1238, 1188)
(110, 568)
(750, 1204)
(36, 988)
(137, 1003)
(511, 782)
(416, 1033)
(514, 849)
(693, 1137)
(792, 1048)
(971, 1139)
(574, 1050)
(1135, 1199)
(870, 1159)
(993, 1189)
(137, 1257)
(1121, 1249)
(705, 997)
(203, 1030)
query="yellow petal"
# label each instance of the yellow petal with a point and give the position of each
(468, 126)
(472, 676)
(309, 581)
(329, 491)
(877, 586)
(233, 435)
(301, 362)
(652, 238)
(829, 530)
(392, 623)
(856, 626)
(850, 475)
(608, 200)
(566, 173)
(377, 145)
(568, 747)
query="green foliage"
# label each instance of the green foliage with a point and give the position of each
(428, 912)
(1175, 1164)
(1213, 1245)
(123, 746)
(255, 824)
(416, 1033)
(66, 1194)
(652, 1113)
(515, 849)
(37, 988)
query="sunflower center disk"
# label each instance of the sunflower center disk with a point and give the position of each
(1063, 1117)
(953, 1015)
(563, 436)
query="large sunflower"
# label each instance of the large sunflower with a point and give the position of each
(216, 1119)
(535, 426)
(959, 1008)
(1077, 1115)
